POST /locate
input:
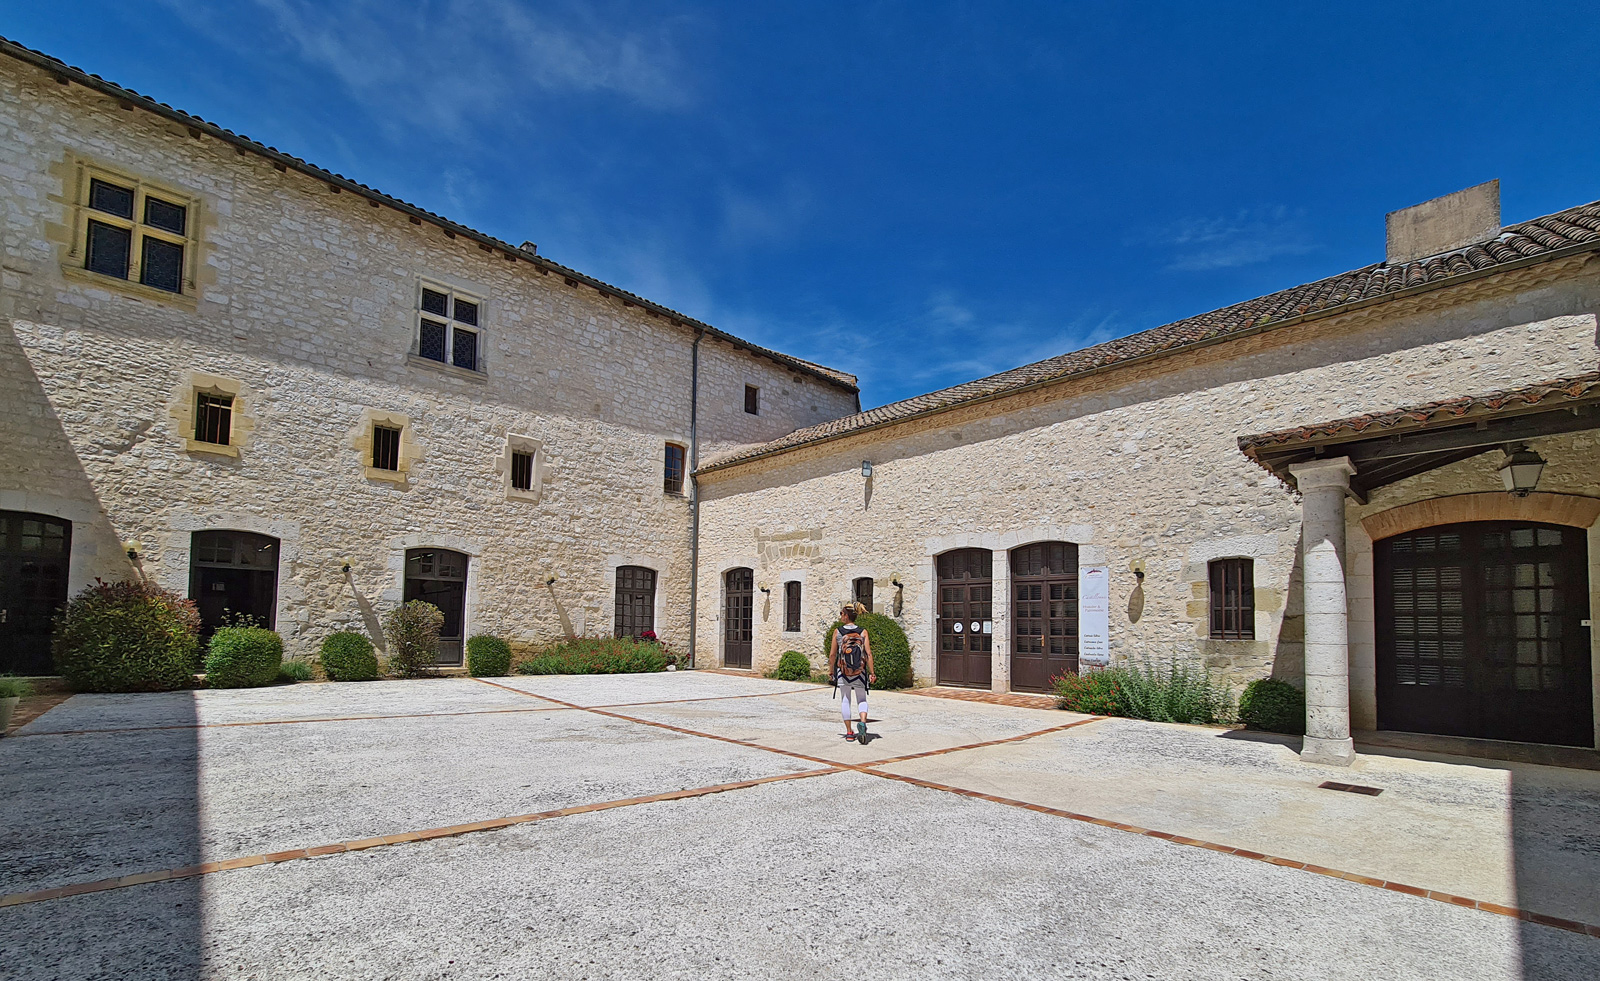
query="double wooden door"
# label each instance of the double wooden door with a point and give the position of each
(738, 620)
(1044, 614)
(966, 617)
(1482, 631)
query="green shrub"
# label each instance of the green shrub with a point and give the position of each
(348, 656)
(1094, 693)
(1173, 693)
(412, 630)
(127, 636)
(488, 657)
(243, 657)
(891, 652)
(793, 666)
(597, 655)
(1273, 705)
(294, 670)
(11, 687)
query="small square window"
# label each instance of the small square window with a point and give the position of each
(161, 265)
(752, 400)
(431, 344)
(109, 248)
(385, 448)
(466, 312)
(521, 471)
(110, 198)
(165, 215)
(213, 418)
(672, 482)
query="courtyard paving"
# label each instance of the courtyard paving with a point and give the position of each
(699, 825)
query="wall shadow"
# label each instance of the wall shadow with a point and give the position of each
(1555, 843)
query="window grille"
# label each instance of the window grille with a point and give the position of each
(385, 448)
(118, 223)
(447, 324)
(1233, 600)
(521, 471)
(672, 481)
(791, 607)
(752, 399)
(213, 418)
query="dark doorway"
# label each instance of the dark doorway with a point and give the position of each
(863, 590)
(233, 574)
(965, 623)
(34, 551)
(1044, 614)
(439, 576)
(738, 621)
(1481, 632)
(636, 600)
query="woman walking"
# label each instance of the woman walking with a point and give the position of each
(851, 666)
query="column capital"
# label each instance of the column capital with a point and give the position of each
(1333, 471)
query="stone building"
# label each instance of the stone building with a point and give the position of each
(277, 390)
(287, 395)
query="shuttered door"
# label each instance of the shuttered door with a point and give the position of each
(1044, 614)
(1480, 633)
(738, 623)
(965, 625)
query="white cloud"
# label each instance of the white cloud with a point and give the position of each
(1246, 238)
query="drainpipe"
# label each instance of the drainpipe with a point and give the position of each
(694, 492)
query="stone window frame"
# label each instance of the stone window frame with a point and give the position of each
(471, 294)
(181, 410)
(361, 440)
(1268, 600)
(81, 172)
(517, 443)
(798, 578)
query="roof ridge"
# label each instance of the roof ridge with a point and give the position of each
(70, 73)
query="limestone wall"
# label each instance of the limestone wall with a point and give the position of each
(305, 306)
(1136, 465)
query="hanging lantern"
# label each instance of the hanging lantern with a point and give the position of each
(1521, 470)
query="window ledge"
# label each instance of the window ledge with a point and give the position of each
(418, 361)
(131, 288)
(388, 476)
(215, 449)
(531, 496)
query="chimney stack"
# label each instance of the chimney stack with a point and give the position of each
(1455, 221)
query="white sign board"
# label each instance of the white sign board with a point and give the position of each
(1094, 615)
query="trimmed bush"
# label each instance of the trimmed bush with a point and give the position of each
(348, 656)
(243, 657)
(597, 655)
(891, 652)
(294, 670)
(1273, 705)
(127, 636)
(793, 666)
(412, 630)
(1171, 693)
(488, 657)
(12, 687)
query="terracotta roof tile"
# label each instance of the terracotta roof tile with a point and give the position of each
(1575, 229)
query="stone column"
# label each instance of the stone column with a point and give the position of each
(1323, 484)
(1000, 609)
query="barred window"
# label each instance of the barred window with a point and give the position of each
(213, 418)
(447, 327)
(791, 607)
(385, 448)
(521, 471)
(1233, 600)
(672, 481)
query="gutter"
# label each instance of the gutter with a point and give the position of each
(283, 162)
(1205, 342)
(694, 493)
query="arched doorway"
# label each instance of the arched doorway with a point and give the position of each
(636, 600)
(1044, 614)
(738, 620)
(34, 553)
(965, 625)
(439, 576)
(233, 574)
(1481, 632)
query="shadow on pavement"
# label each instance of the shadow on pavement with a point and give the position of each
(86, 808)
(1555, 840)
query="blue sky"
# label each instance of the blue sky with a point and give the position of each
(919, 192)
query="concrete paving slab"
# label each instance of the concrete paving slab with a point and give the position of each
(1514, 834)
(809, 723)
(88, 807)
(844, 876)
(661, 686)
(418, 696)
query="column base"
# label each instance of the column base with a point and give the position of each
(1333, 752)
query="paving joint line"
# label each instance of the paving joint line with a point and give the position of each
(282, 722)
(381, 841)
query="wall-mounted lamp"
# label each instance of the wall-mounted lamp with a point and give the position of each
(897, 584)
(764, 588)
(866, 469)
(134, 550)
(1521, 469)
(550, 581)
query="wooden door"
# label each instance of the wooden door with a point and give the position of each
(1481, 632)
(1044, 614)
(34, 553)
(965, 626)
(738, 619)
